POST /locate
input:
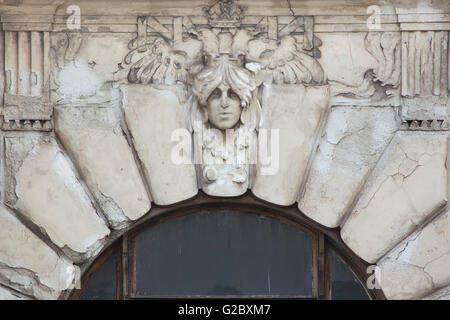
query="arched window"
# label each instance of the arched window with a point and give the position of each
(227, 248)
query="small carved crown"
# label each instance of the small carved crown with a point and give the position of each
(224, 14)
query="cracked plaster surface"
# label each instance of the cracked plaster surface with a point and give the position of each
(7, 294)
(420, 264)
(441, 294)
(352, 143)
(344, 58)
(153, 117)
(96, 142)
(407, 186)
(296, 113)
(51, 196)
(35, 269)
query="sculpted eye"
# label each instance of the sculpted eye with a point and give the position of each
(232, 94)
(215, 93)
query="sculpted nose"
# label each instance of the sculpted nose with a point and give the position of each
(224, 103)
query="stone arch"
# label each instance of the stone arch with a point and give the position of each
(400, 253)
(245, 204)
(79, 163)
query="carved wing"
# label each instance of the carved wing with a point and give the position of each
(285, 63)
(159, 64)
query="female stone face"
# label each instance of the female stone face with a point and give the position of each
(223, 107)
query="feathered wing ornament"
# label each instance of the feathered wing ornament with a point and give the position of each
(196, 65)
(161, 63)
(285, 63)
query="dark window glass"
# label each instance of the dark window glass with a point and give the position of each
(223, 253)
(102, 284)
(344, 284)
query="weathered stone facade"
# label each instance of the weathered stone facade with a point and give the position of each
(96, 97)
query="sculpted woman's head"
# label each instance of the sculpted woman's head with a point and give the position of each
(224, 90)
(223, 107)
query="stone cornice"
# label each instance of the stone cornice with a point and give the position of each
(329, 16)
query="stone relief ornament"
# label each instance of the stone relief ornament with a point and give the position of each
(218, 71)
(380, 85)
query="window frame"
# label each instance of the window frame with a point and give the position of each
(323, 240)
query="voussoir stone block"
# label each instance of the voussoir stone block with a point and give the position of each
(95, 141)
(153, 116)
(442, 294)
(83, 62)
(35, 269)
(407, 186)
(296, 113)
(420, 264)
(353, 141)
(6, 294)
(43, 186)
